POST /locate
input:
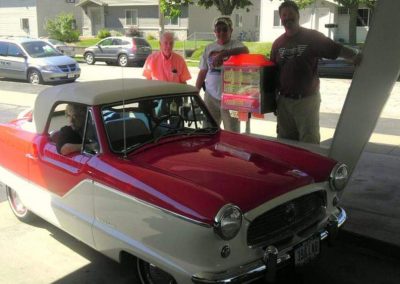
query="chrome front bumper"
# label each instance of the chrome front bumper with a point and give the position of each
(258, 269)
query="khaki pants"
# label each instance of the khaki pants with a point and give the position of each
(298, 119)
(219, 114)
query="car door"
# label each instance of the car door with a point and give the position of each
(3, 57)
(67, 183)
(116, 47)
(104, 49)
(18, 62)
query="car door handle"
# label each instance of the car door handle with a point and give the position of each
(31, 156)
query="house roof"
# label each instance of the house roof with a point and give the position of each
(101, 92)
(119, 2)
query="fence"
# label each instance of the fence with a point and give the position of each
(194, 41)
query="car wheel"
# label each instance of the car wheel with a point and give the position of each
(89, 58)
(17, 207)
(149, 274)
(34, 77)
(123, 60)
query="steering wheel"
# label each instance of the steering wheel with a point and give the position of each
(176, 121)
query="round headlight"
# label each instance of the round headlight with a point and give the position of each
(339, 177)
(228, 221)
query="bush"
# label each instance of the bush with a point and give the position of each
(132, 31)
(62, 27)
(150, 37)
(116, 33)
(103, 33)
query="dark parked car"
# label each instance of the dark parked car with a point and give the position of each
(121, 50)
(62, 47)
(336, 68)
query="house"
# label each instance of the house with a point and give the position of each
(28, 17)
(143, 15)
(325, 16)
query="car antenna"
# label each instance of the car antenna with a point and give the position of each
(123, 115)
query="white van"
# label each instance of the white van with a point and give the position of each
(36, 61)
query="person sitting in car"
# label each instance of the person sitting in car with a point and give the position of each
(71, 136)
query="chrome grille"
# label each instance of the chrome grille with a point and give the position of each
(67, 68)
(283, 222)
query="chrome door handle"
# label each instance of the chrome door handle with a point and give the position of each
(30, 156)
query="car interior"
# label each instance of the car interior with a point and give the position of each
(132, 124)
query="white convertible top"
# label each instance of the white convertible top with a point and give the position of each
(99, 93)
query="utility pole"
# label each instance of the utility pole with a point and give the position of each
(160, 20)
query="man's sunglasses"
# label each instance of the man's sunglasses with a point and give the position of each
(221, 30)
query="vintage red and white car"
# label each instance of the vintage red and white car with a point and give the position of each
(165, 187)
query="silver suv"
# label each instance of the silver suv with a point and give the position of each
(121, 50)
(36, 61)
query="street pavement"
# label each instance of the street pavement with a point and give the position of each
(372, 196)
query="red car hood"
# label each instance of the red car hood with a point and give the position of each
(196, 176)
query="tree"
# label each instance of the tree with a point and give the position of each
(62, 27)
(172, 8)
(352, 5)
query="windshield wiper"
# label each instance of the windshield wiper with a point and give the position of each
(153, 140)
(207, 130)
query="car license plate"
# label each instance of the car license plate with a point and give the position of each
(307, 251)
(71, 75)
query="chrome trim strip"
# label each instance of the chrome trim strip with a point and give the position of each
(342, 217)
(154, 206)
(256, 269)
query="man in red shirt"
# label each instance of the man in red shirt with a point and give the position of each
(296, 54)
(166, 65)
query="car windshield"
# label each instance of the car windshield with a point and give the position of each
(38, 49)
(134, 124)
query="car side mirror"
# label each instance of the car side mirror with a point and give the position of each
(22, 55)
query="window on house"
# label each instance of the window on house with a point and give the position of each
(131, 17)
(277, 19)
(25, 24)
(238, 21)
(257, 21)
(363, 17)
(172, 21)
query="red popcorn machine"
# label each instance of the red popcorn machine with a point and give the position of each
(249, 85)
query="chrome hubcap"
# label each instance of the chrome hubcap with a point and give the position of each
(89, 58)
(123, 60)
(34, 78)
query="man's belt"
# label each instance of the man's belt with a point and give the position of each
(295, 96)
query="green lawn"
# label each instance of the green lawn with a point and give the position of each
(86, 42)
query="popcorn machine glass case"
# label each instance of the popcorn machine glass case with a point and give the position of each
(249, 84)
